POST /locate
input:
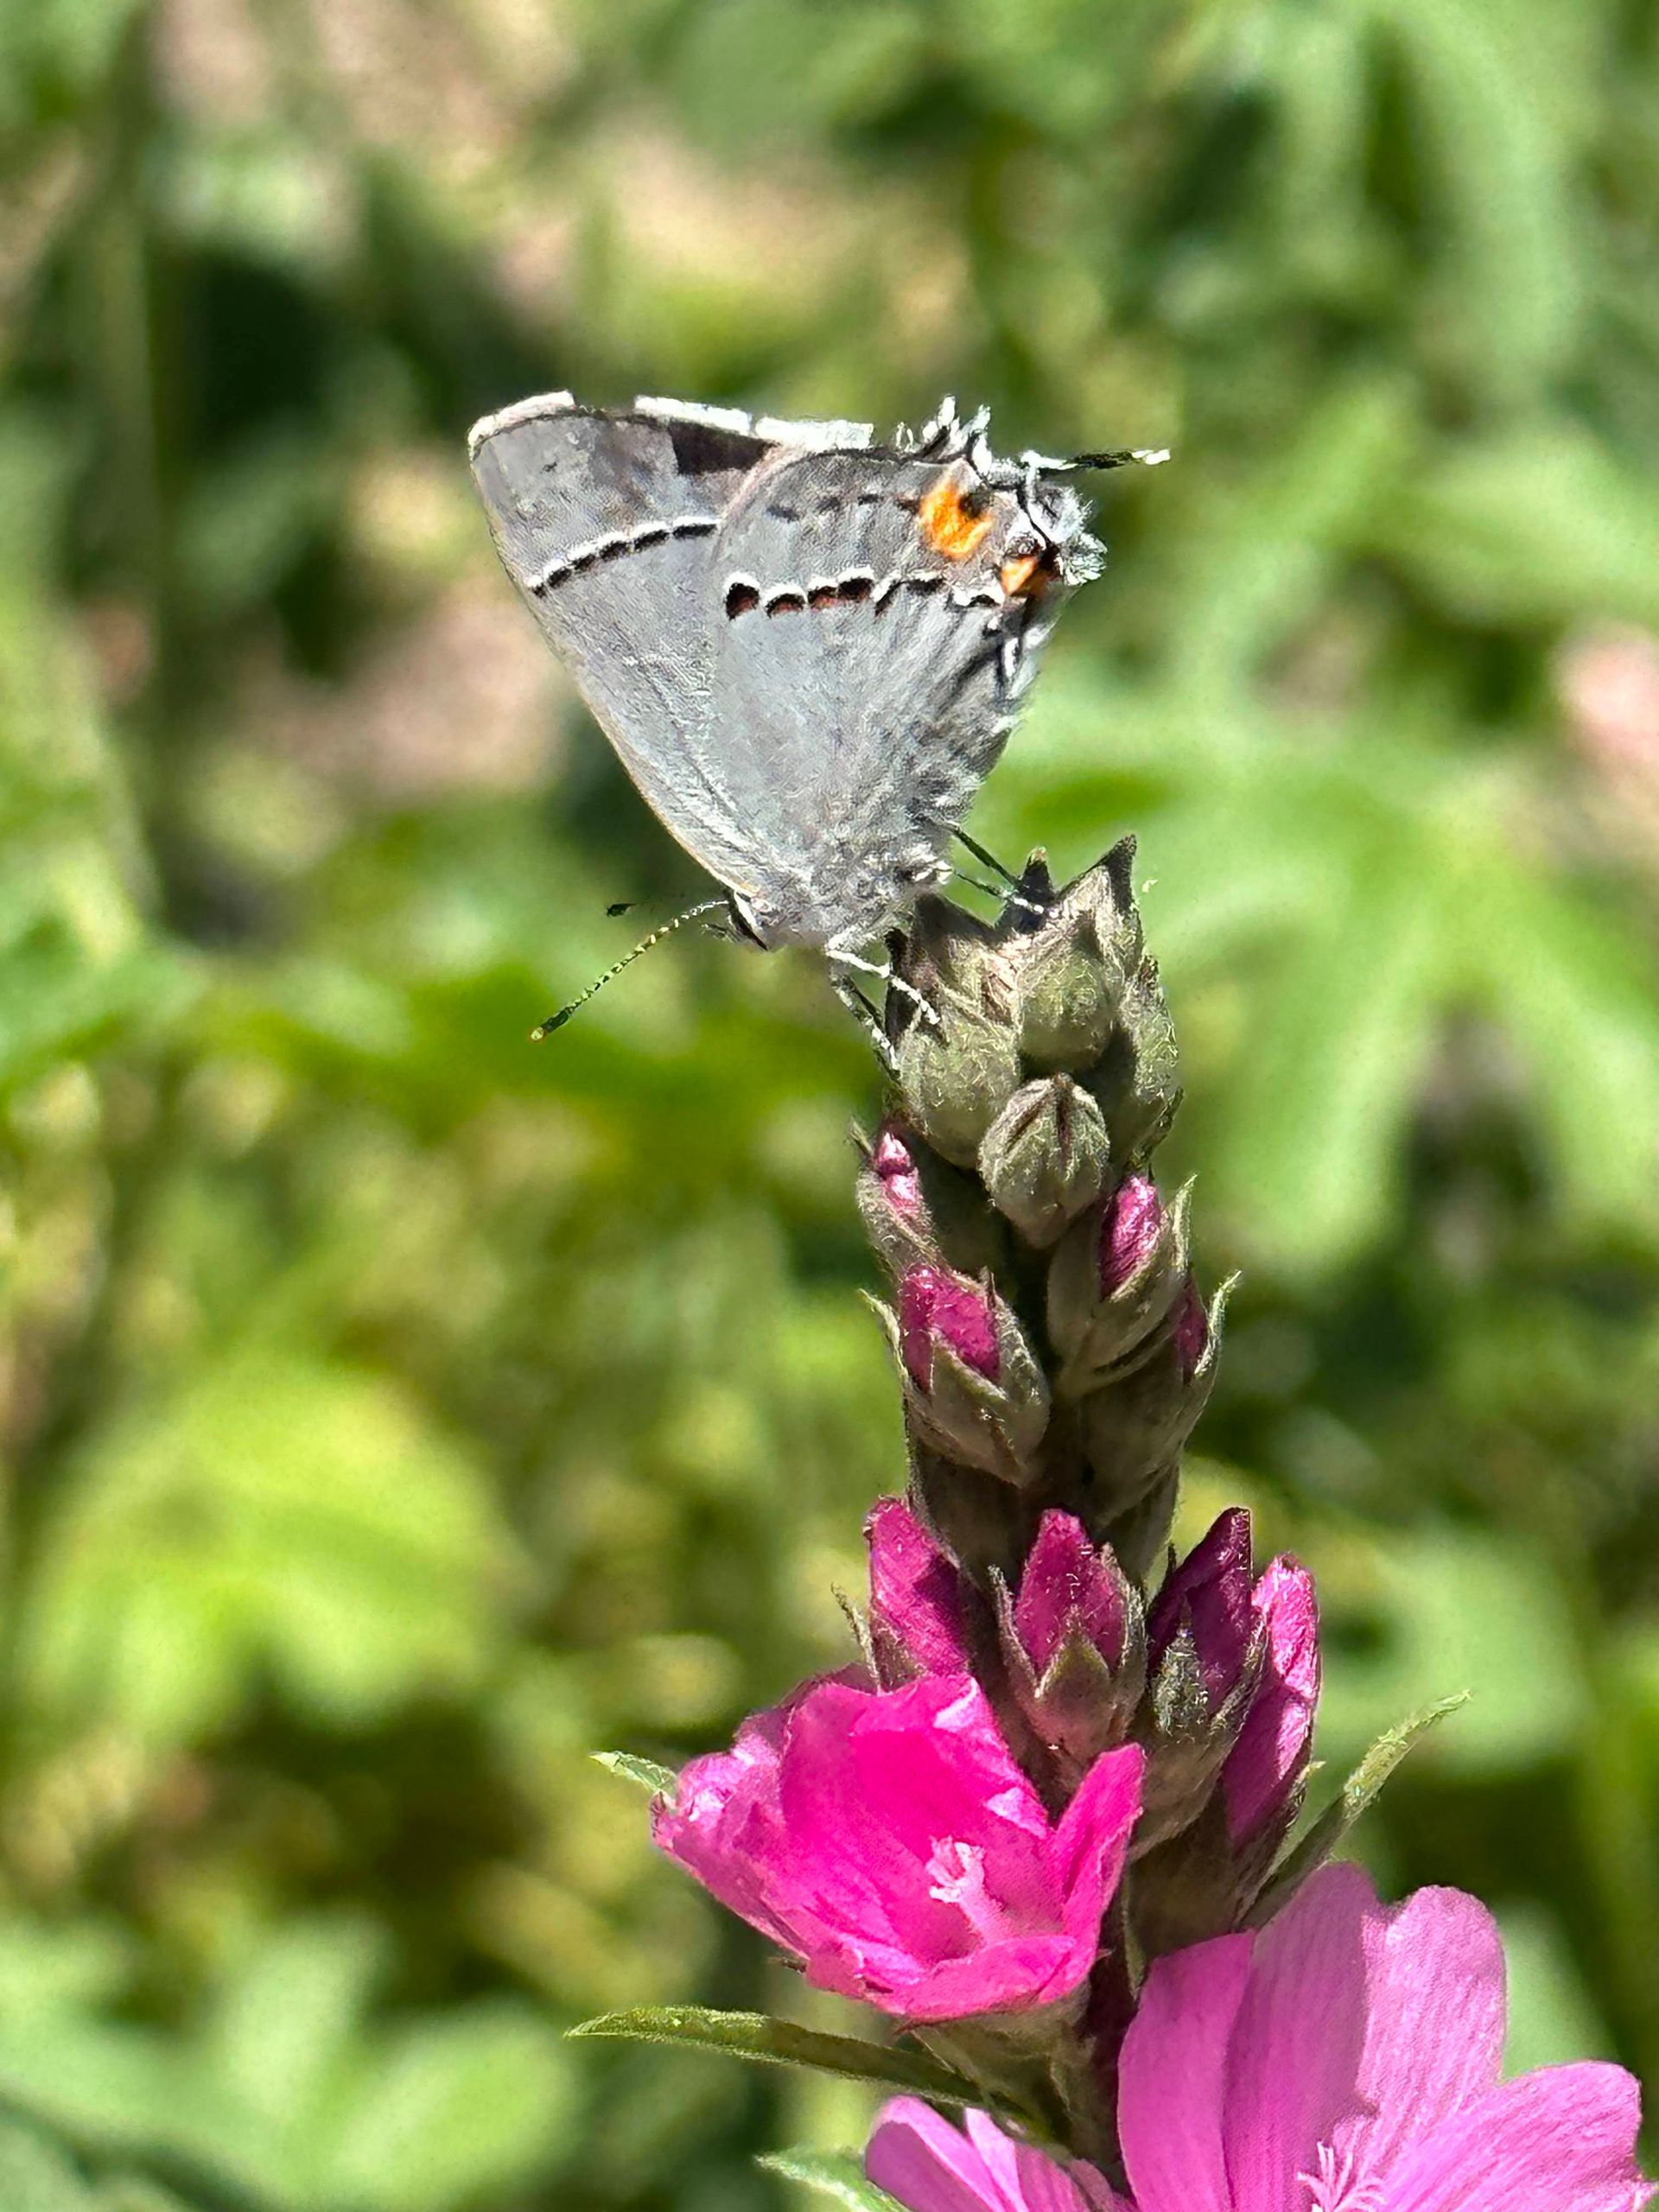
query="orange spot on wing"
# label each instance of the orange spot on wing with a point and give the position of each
(954, 522)
(1025, 578)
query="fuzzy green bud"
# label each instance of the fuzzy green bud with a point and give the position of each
(957, 1068)
(1045, 1157)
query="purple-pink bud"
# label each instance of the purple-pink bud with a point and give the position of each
(893, 1165)
(937, 1307)
(1129, 1230)
(1191, 1331)
(1066, 1582)
(1266, 1765)
(1210, 1593)
(919, 1599)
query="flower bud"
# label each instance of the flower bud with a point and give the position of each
(1203, 1659)
(918, 1208)
(973, 1390)
(1118, 1276)
(921, 1604)
(956, 1068)
(1137, 1078)
(1203, 1880)
(1267, 1769)
(1134, 1422)
(1045, 1158)
(1074, 1644)
(937, 1307)
(1208, 1598)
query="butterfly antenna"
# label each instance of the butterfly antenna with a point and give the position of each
(558, 1021)
(1124, 457)
(987, 858)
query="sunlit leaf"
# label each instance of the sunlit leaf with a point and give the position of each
(838, 2175)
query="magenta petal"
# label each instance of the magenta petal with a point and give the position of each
(1032, 2182)
(1173, 2078)
(916, 1591)
(1563, 2139)
(1271, 1754)
(930, 2165)
(1065, 1579)
(935, 1305)
(1297, 2043)
(1092, 1839)
(1129, 1230)
(1434, 2002)
(917, 2156)
(1015, 1975)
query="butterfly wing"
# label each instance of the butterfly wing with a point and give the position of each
(880, 614)
(607, 522)
(807, 651)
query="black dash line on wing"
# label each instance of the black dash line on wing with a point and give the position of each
(743, 593)
(615, 544)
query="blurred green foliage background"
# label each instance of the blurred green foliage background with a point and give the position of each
(394, 1412)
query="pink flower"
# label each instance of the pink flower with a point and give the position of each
(938, 1307)
(1346, 2059)
(931, 2166)
(888, 1840)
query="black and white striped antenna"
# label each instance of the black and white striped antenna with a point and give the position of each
(666, 929)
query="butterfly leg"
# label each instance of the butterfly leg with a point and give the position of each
(841, 959)
(863, 1012)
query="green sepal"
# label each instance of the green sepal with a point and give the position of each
(660, 1781)
(1357, 1795)
(838, 2175)
(781, 2042)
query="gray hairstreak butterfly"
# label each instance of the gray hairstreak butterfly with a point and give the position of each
(807, 649)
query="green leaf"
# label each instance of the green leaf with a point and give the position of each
(660, 1781)
(34, 2176)
(1310, 1156)
(281, 1516)
(1359, 1792)
(838, 2175)
(780, 2043)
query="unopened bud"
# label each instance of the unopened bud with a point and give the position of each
(1073, 1644)
(973, 1390)
(1204, 1878)
(936, 1309)
(1267, 1769)
(917, 1208)
(1119, 1276)
(1134, 1425)
(1045, 1158)
(1137, 1078)
(922, 1606)
(957, 1068)
(1205, 1655)
(1072, 968)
